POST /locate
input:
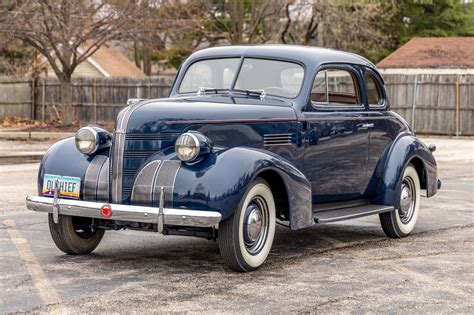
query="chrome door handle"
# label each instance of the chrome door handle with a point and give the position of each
(367, 126)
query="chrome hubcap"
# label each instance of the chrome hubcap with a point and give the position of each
(407, 200)
(255, 225)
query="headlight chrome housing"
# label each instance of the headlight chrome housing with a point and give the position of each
(191, 145)
(91, 138)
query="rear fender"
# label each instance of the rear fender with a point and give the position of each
(405, 150)
(219, 182)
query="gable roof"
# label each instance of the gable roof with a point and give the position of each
(112, 63)
(433, 52)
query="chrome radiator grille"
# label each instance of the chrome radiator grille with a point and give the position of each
(136, 149)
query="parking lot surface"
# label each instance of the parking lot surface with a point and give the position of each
(334, 268)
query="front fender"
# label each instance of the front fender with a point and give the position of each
(404, 150)
(63, 158)
(219, 182)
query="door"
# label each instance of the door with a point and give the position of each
(336, 136)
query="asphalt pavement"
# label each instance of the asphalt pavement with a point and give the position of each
(348, 267)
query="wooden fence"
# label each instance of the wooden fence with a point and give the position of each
(437, 104)
(15, 98)
(93, 99)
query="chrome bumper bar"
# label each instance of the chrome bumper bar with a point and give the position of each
(160, 216)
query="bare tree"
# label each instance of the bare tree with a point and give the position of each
(356, 26)
(66, 33)
(302, 21)
(359, 27)
(245, 22)
(174, 29)
(15, 57)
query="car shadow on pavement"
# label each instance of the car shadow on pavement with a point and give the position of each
(181, 255)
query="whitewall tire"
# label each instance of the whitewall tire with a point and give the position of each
(401, 222)
(246, 238)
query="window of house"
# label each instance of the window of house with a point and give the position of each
(335, 87)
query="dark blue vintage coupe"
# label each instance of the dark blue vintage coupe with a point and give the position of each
(249, 136)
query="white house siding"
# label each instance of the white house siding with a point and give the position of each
(84, 69)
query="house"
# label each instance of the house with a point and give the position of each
(106, 62)
(428, 82)
(431, 55)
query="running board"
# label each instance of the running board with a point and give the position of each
(348, 213)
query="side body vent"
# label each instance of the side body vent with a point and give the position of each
(277, 139)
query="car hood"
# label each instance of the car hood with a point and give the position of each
(175, 114)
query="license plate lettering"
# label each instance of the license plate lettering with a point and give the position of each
(69, 187)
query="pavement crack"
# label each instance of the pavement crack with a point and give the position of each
(328, 302)
(25, 280)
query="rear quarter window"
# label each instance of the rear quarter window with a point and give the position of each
(373, 90)
(335, 87)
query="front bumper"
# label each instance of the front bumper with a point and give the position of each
(161, 216)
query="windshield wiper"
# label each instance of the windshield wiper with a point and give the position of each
(259, 92)
(202, 90)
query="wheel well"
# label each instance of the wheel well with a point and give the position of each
(420, 169)
(279, 193)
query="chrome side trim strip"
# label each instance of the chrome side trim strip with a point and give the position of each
(103, 183)
(142, 191)
(174, 217)
(165, 178)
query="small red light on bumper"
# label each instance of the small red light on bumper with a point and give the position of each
(106, 211)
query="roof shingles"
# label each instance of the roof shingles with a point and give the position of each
(432, 52)
(115, 63)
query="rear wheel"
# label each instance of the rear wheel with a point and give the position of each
(75, 235)
(245, 238)
(401, 222)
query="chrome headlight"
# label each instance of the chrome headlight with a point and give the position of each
(91, 138)
(191, 145)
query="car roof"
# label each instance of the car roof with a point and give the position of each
(305, 54)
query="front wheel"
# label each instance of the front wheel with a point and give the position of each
(401, 222)
(245, 238)
(75, 235)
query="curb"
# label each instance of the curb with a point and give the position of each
(34, 135)
(20, 159)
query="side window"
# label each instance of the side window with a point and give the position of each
(374, 95)
(335, 87)
(319, 92)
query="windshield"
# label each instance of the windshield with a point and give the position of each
(211, 73)
(271, 77)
